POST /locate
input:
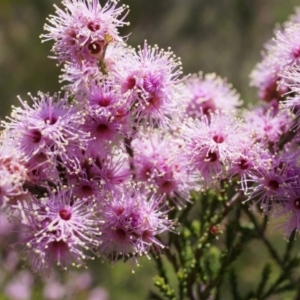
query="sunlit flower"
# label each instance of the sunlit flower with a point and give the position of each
(84, 29)
(60, 230)
(210, 93)
(131, 223)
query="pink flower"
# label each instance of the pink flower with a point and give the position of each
(150, 77)
(288, 206)
(60, 229)
(271, 179)
(159, 163)
(292, 81)
(210, 93)
(51, 127)
(13, 172)
(131, 222)
(266, 76)
(84, 29)
(286, 49)
(267, 124)
(211, 144)
(79, 77)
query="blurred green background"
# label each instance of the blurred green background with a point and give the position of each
(222, 36)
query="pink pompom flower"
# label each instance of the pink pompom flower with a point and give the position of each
(83, 30)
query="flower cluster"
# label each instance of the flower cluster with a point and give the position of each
(95, 170)
(72, 179)
(18, 283)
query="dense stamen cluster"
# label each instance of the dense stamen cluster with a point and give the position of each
(60, 229)
(131, 222)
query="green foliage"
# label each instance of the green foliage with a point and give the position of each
(204, 255)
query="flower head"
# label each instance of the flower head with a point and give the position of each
(131, 222)
(210, 93)
(150, 77)
(286, 49)
(268, 124)
(60, 229)
(211, 144)
(266, 76)
(51, 127)
(158, 162)
(270, 178)
(84, 29)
